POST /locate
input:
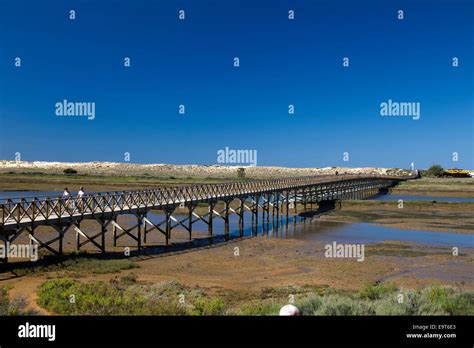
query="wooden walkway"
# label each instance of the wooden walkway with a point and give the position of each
(274, 197)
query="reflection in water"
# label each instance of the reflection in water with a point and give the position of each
(312, 228)
(325, 231)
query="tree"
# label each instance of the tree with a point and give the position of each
(435, 170)
(241, 173)
(69, 171)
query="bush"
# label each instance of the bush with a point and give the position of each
(382, 299)
(310, 305)
(241, 173)
(261, 309)
(209, 306)
(100, 298)
(377, 291)
(79, 264)
(345, 305)
(451, 301)
(126, 296)
(69, 171)
(435, 171)
(16, 306)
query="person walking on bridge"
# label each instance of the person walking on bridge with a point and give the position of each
(66, 194)
(80, 196)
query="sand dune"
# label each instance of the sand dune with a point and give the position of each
(113, 168)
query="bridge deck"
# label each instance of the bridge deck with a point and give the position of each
(46, 210)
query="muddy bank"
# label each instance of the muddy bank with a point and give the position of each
(415, 215)
(251, 270)
(442, 187)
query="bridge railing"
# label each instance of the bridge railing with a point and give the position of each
(16, 211)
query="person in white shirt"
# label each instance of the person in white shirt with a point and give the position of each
(66, 196)
(80, 195)
(66, 193)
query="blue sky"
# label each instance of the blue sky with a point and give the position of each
(282, 62)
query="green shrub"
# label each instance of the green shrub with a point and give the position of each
(98, 266)
(16, 306)
(451, 301)
(69, 171)
(434, 171)
(382, 299)
(344, 305)
(79, 264)
(101, 298)
(310, 305)
(377, 291)
(260, 309)
(208, 306)
(126, 296)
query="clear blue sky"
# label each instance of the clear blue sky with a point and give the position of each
(283, 62)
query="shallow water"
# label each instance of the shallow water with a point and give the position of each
(325, 231)
(390, 197)
(312, 229)
(16, 195)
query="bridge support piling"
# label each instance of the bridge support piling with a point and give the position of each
(257, 203)
(103, 230)
(114, 231)
(210, 218)
(226, 218)
(287, 205)
(5, 246)
(139, 230)
(168, 211)
(191, 208)
(269, 198)
(304, 200)
(241, 216)
(296, 202)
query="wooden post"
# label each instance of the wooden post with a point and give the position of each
(296, 201)
(114, 231)
(5, 244)
(190, 220)
(168, 225)
(304, 199)
(60, 241)
(242, 212)
(226, 217)
(211, 214)
(268, 208)
(139, 230)
(145, 227)
(257, 198)
(78, 237)
(103, 229)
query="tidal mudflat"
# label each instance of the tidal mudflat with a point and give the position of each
(256, 274)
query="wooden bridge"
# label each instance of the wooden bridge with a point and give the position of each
(276, 198)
